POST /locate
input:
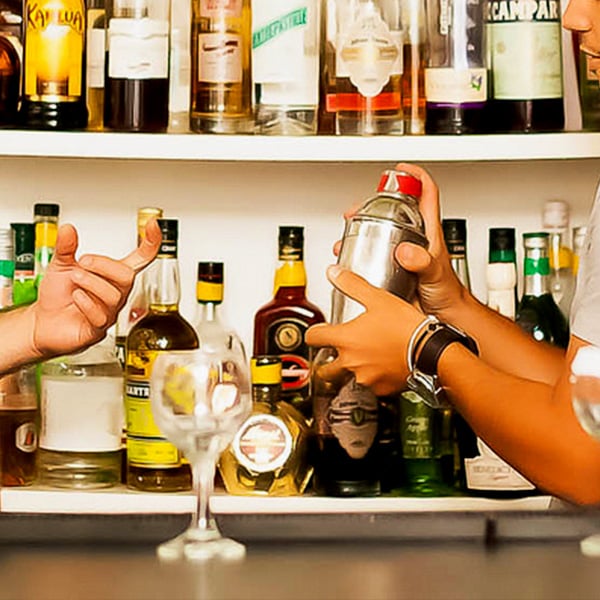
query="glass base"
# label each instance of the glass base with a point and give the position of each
(590, 546)
(201, 545)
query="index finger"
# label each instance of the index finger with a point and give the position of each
(146, 252)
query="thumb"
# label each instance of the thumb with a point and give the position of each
(66, 246)
(412, 257)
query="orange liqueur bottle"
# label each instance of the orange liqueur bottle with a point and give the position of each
(280, 325)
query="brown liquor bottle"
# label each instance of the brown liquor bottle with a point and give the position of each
(280, 325)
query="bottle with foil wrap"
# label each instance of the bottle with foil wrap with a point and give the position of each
(346, 414)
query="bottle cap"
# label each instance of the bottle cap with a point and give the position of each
(579, 234)
(555, 214)
(291, 242)
(210, 271)
(586, 362)
(209, 287)
(46, 210)
(170, 230)
(455, 235)
(266, 369)
(536, 239)
(400, 182)
(502, 244)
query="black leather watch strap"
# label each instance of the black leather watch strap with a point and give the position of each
(437, 342)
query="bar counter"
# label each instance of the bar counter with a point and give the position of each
(63, 545)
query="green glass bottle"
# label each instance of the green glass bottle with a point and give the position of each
(24, 288)
(538, 313)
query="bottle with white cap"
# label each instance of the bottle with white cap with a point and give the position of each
(555, 220)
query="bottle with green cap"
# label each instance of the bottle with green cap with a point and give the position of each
(24, 289)
(538, 313)
(269, 454)
(213, 333)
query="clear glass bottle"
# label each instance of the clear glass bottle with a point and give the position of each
(136, 86)
(456, 73)
(555, 220)
(281, 324)
(285, 66)
(579, 237)
(368, 67)
(213, 333)
(95, 59)
(81, 419)
(346, 416)
(153, 463)
(269, 454)
(327, 88)
(180, 67)
(537, 313)
(24, 288)
(221, 94)
(45, 220)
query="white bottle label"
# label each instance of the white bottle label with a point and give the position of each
(81, 414)
(220, 58)
(489, 472)
(95, 58)
(501, 279)
(285, 51)
(455, 86)
(138, 49)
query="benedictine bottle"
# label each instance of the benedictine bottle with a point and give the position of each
(24, 288)
(537, 313)
(45, 219)
(53, 89)
(137, 302)
(153, 463)
(269, 454)
(214, 335)
(280, 325)
(221, 45)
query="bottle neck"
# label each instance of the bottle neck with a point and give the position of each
(461, 268)
(560, 254)
(163, 285)
(290, 279)
(268, 393)
(208, 312)
(537, 270)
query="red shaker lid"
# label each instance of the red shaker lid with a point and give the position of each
(400, 182)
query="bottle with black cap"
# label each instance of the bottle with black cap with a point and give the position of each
(280, 325)
(214, 334)
(45, 219)
(153, 463)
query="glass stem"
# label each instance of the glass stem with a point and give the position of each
(204, 476)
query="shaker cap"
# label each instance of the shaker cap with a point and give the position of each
(400, 182)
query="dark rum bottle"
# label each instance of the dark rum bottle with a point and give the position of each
(280, 325)
(153, 463)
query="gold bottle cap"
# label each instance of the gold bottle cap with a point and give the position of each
(266, 370)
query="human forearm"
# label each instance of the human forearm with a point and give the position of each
(16, 333)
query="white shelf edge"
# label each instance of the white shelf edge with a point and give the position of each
(207, 148)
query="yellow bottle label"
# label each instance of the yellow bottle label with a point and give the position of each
(45, 234)
(209, 292)
(290, 274)
(54, 42)
(563, 259)
(152, 453)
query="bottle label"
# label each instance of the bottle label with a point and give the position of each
(209, 292)
(489, 472)
(537, 266)
(285, 337)
(138, 49)
(263, 444)
(81, 414)
(352, 418)
(95, 56)
(26, 437)
(502, 301)
(25, 264)
(525, 48)
(214, 9)
(220, 58)
(419, 427)
(54, 49)
(285, 53)
(455, 86)
(369, 53)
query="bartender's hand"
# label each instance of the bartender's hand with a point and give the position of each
(79, 299)
(438, 287)
(373, 345)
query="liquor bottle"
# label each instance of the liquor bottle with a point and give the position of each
(368, 68)
(555, 220)
(326, 120)
(414, 59)
(213, 334)
(11, 60)
(54, 65)
(137, 302)
(579, 237)
(269, 454)
(589, 94)
(45, 220)
(537, 313)
(285, 66)
(221, 94)
(24, 288)
(485, 473)
(179, 67)
(501, 272)
(81, 418)
(346, 452)
(280, 325)
(7, 267)
(456, 73)
(95, 59)
(154, 464)
(526, 92)
(136, 86)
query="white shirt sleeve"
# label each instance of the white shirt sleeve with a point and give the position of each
(585, 310)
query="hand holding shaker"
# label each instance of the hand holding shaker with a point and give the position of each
(346, 413)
